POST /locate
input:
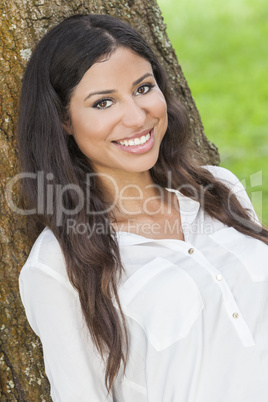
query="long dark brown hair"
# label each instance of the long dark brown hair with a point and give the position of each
(57, 65)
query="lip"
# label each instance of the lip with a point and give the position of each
(138, 149)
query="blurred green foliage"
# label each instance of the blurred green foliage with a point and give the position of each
(223, 50)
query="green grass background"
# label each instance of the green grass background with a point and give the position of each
(223, 50)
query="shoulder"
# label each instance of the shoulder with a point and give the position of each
(223, 174)
(43, 281)
(46, 256)
(228, 178)
(236, 187)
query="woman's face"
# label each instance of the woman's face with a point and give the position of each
(118, 114)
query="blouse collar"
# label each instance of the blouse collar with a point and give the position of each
(189, 209)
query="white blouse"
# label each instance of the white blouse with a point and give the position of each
(196, 310)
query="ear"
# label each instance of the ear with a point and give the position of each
(67, 127)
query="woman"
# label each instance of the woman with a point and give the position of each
(149, 282)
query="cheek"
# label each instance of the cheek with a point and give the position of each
(159, 106)
(93, 126)
(161, 109)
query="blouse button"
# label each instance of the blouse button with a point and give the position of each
(219, 277)
(235, 315)
(190, 251)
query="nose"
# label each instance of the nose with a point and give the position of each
(133, 114)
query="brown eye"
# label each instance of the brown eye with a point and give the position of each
(143, 89)
(103, 104)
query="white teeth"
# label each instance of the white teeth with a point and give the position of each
(143, 139)
(136, 141)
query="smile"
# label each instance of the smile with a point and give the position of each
(136, 141)
(138, 145)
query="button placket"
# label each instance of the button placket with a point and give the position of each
(229, 302)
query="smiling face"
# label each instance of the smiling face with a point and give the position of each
(118, 114)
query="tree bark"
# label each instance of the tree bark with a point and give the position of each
(23, 23)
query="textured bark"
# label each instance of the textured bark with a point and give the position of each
(23, 23)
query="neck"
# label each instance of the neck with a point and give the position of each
(130, 193)
(139, 203)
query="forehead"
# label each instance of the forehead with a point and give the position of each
(122, 65)
(119, 57)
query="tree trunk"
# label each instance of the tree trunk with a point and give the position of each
(23, 23)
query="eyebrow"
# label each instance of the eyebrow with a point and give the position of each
(110, 91)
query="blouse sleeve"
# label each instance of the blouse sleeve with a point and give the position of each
(73, 367)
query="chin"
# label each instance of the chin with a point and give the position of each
(143, 166)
